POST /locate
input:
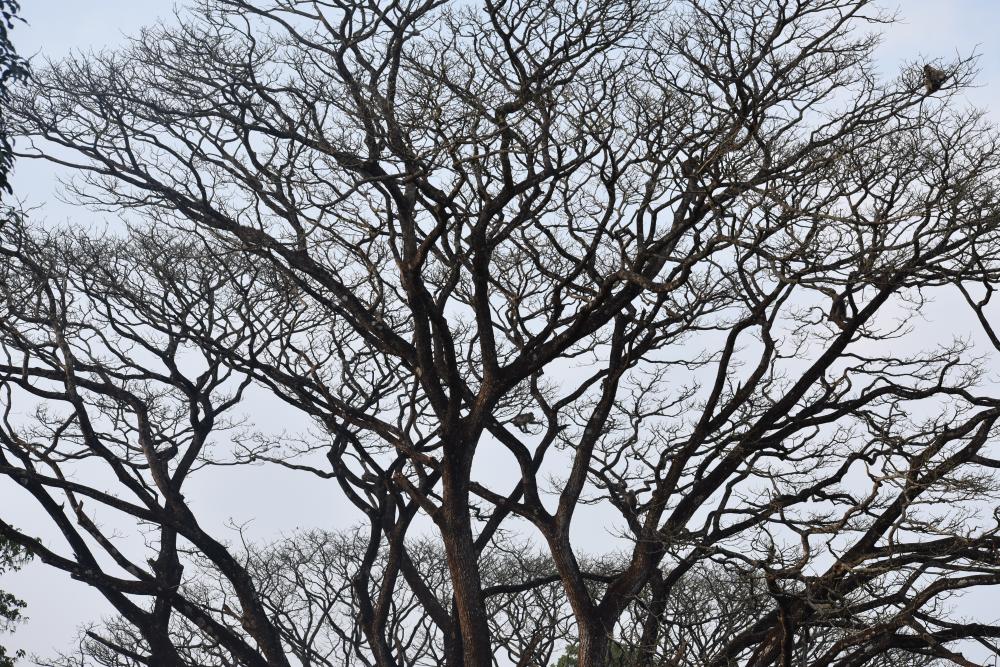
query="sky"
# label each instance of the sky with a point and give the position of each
(57, 606)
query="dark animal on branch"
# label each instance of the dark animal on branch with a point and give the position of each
(524, 420)
(838, 311)
(933, 79)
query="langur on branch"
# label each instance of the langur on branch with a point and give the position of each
(933, 79)
(838, 312)
(524, 420)
(690, 167)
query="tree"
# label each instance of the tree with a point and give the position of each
(12, 68)
(11, 558)
(306, 582)
(692, 238)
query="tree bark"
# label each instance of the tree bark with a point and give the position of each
(594, 647)
(460, 549)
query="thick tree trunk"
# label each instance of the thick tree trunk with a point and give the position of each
(162, 650)
(651, 623)
(595, 647)
(594, 641)
(456, 530)
(454, 655)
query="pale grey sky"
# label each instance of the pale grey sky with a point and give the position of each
(57, 606)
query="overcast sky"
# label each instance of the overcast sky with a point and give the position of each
(57, 606)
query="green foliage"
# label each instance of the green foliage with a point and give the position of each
(11, 559)
(12, 68)
(620, 656)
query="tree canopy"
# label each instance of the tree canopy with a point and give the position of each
(524, 269)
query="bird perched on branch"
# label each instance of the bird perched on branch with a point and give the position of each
(524, 420)
(933, 79)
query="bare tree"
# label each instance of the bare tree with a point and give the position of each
(664, 257)
(307, 584)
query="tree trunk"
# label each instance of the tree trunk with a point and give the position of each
(454, 655)
(456, 530)
(595, 648)
(651, 623)
(162, 650)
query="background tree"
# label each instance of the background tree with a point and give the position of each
(305, 581)
(12, 68)
(11, 559)
(688, 239)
